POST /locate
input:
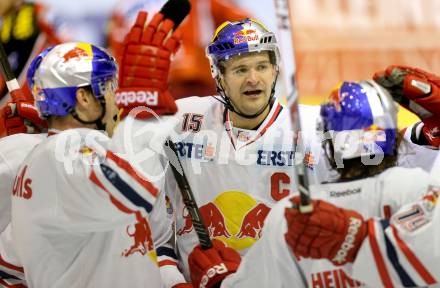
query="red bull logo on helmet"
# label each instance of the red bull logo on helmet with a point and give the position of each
(142, 241)
(78, 52)
(233, 217)
(245, 35)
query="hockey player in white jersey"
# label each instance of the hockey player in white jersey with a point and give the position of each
(81, 205)
(236, 148)
(17, 118)
(362, 121)
(401, 251)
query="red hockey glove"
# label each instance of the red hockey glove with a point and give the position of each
(145, 65)
(328, 232)
(209, 267)
(20, 117)
(418, 91)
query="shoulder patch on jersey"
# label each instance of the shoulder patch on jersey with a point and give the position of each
(431, 198)
(419, 214)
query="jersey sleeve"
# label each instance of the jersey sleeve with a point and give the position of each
(101, 190)
(401, 186)
(141, 142)
(6, 184)
(403, 251)
(167, 254)
(411, 153)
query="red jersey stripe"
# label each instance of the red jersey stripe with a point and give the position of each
(123, 164)
(380, 263)
(412, 258)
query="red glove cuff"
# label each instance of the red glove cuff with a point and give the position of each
(328, 232)
(20, 117)
(149, 103)
(356, 232)
(29, 112)
(431, 130)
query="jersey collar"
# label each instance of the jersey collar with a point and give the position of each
(270, 119)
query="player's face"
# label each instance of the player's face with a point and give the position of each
(111, 110)
(248, 80)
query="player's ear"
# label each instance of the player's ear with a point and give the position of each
(83, 98)
(86, 104)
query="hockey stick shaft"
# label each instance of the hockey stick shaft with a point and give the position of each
(177, 10)
(187, 194)
(11, 82)
(286, 39)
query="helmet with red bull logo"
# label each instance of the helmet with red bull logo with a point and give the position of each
(362, 120)
(238, 38)
(56, 73)
(241, 37)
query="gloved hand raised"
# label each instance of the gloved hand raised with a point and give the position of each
(144, 66)
(418, 91)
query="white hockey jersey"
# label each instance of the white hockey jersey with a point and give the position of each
(79, 216)
(11, 271)
(405, 251)
(236, 175)
(270, 262)
(141, 143)
(413, 155)
(13, 150)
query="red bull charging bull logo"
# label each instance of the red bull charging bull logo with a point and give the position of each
(234, 217)
(75, 53)
(140, 233)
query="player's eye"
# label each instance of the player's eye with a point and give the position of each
(262, 67)
(241, 70)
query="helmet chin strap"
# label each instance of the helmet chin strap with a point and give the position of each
(98, 122)
(229, 105)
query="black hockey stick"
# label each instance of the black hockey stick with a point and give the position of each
(177, 10)
(11, 82)
(187, 195)
(284, 25)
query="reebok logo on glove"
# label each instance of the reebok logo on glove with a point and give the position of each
(127, 98)
(214, 271)
(353, 229)
(422, 86)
